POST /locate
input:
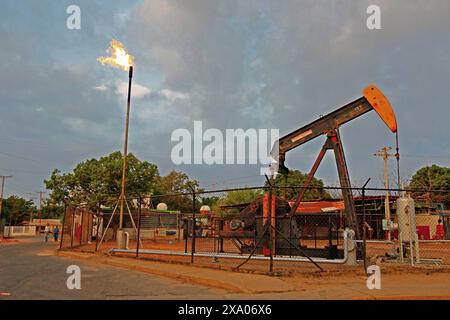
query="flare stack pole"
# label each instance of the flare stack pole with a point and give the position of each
(125, 150)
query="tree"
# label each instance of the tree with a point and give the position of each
(17, 209)
(431, 178)
(296, 178)
(52, 210)
(236, 197)
(210, 201)
(173, 183)
(97, 180)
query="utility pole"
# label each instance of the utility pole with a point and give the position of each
(1, 198)
(32, 198)
(384, 153)
(41, 193)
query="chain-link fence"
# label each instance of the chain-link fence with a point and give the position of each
(404, 225)
(79, 227)
(256, 227)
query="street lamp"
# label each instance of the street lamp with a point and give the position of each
(120, 58)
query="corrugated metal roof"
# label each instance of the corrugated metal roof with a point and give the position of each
(319, 206)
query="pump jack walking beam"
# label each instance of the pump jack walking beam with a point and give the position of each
(373, 99)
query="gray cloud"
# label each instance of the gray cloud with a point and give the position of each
(250, 64)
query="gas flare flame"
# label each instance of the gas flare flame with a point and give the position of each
(120, 58)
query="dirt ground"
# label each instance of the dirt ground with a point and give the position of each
(5, 241)
(427, 250)
(395, 284)
(303, 281)
(376, 255)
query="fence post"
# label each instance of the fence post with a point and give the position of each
(138, 236)
(90, 226)
(97, 232)
(271, 231)
(81, 225)
(222, 223)
(315, 235)
(72, 228)
(63, 226)
(185, 234)
(194, 224)
(271, 234)
(364, 225)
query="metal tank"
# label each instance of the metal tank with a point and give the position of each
(406, 215)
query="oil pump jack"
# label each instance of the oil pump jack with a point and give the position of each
(372, 99)
(246, 225)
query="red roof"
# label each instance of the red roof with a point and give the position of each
(319, 206)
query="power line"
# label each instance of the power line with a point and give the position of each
(21, 157)
(24, 171)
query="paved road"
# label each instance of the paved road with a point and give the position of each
(29, 271)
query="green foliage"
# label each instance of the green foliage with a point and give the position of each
(177, 182)
(296, 178)
(432, 178)
(51, 210)
(16, 209)
(210, 201)
(235, 197)
(95, 180)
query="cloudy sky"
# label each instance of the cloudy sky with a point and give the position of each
(232, 64)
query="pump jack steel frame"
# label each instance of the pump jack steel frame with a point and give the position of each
(334, 143)
(373, 99)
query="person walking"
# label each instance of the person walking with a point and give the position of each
(56, 233)
(47, 232)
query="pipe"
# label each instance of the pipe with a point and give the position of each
(238, 256)
(410, 240)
